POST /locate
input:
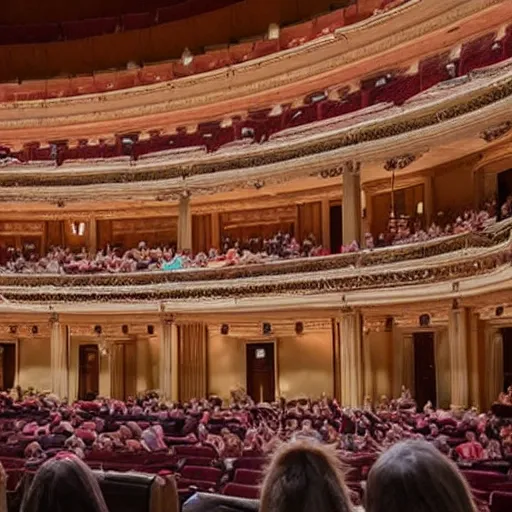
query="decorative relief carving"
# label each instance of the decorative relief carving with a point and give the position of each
(401, 124)
(495, 132)
(216, 80)
(399, 162)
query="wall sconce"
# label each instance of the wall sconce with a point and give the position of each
(419, 208)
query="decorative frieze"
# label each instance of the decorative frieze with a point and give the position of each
(399, 162)
(495, 132)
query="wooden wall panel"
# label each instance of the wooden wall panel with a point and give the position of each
(310, 221)
(104, 233)
(406, 202)
(246, 224)
(193, 368)
(201, 233)
(158, 231)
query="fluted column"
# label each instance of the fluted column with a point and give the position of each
(474, 373)
(458, 358)
(169, 362)
(493, 364)
(59, 358)
(351, 359)
(93, 236)
(368, 384)
(185, 224)
(351, 205)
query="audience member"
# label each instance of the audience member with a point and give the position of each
(63, 484)
(413, 476)
(304, 476)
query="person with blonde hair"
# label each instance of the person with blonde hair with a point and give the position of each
(413, 476)
(304, 476)
(64, 484)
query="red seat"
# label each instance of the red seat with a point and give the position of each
(249, 492)
(477, 54)
(501, 501)
(254, 463)
(433, 70)
(201, 474)
(483, 480)
(248, 477)
(195, 451)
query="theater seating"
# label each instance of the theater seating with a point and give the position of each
(241, 491)
(500, 501)
(248, 477)
(138, 492)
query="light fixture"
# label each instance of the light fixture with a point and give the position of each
(419, 208)
(78, 228)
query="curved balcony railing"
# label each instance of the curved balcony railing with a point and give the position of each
(447, 259)
(392, 88)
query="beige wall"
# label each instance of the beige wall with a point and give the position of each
(35, 364)
(381, 352)
(226, 364)
(304, 364)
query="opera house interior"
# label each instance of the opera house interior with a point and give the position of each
(277, 212)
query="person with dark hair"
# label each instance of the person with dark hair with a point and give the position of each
(305, 476)
(63, 484)
(413, 476)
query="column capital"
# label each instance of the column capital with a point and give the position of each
(168, 318)
(54, 318)
(351, 167)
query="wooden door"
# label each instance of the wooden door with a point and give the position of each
(8, 365)
(507, 357)
(260, 372)
(336, 228)
(424, 368)
(89, 372)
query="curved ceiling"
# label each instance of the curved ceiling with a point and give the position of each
(88, 48)
(23, 12)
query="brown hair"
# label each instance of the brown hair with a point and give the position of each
(304, 476)
(414, 476)
(64, 485)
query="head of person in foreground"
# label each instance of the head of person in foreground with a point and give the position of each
(304, 476)
(413, 476)
(64, 484)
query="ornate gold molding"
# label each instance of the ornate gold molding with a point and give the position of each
(495, 132)
(400, 162)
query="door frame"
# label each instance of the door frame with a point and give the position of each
(16, 343)
(436, 330)
(261, 341)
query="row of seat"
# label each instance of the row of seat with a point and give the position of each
(262, 125)
(81, 29)
(101, 82)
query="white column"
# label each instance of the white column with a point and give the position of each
(59, 359)
(169, 363)
(408, 362)
(458, 358)
(474, 373)
(493, 364)
(351, 205)
(93, 236)
(185, 224)
(368, 385)
(351, 360)
(398, 362)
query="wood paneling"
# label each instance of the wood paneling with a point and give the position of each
(406, 202)
(201, 233)
(193, 370)
(265, 223)
(310, 221)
